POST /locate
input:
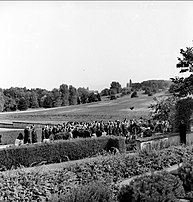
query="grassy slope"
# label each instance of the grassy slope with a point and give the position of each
(104, 110)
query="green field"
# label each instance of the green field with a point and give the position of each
(104, 110)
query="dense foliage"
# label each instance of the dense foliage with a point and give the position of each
(108, 170)
(94, 191)
(149, 87)
(22, 98)
(154, 86)
(158, 187)
(58, 151)
(164, 109)
(182, 87)
(16, 98)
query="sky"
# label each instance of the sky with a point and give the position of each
(44, 44)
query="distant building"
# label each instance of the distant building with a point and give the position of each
(129, 85)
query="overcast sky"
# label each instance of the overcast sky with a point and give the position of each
(90, 44)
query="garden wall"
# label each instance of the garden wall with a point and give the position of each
(162, 140)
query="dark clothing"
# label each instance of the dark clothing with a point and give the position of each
(34, 136)
(43, 134)
(182, 130)
(26, 136)
(47, 135)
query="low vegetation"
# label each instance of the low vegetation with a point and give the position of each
(58, 151)
(108, 170)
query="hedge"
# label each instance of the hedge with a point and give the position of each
(58, 151)
(158, 187)
(92, 192)
(109, 170)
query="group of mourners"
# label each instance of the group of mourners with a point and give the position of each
(29, 136)
(130, 129)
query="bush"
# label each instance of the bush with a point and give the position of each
(108, 169)
(159, 187)
(134, 94)
(185, 173)
(113, 97)
(61, 136)
(58, 151)
(92, 192)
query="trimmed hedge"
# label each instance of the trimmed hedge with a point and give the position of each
(159, 187)
(58, 151)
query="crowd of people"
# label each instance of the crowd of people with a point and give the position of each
(131, 129)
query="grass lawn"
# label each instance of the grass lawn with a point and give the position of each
(104, 110)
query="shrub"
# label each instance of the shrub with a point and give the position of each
(134, 94)
(159, 187)
(58, 151)
(185, 173)
(108, 169)
(113, 97)
(92, 192)
(61, 136)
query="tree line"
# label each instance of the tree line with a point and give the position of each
(16, 98)
(149, 87)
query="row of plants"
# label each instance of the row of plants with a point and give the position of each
(58, 151)
(72, 181)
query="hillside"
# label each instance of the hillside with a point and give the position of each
(104, 110)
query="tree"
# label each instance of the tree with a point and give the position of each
(33, 100)
(40, 95)
(136, 86)
(72, 95)
(98, 97)
(92, 97)
(125, 91)
(22, 104)
(116, 86)
(2, 101)
(184, 86)
(64, 94)
(134, 94)
(56, 97)
(10, 104)
(47, 102)
(164, 109)
(105, 92)
(83, 94)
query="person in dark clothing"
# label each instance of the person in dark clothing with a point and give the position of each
(34, 136)
(27, 135)
(47, 135)
(182, 130)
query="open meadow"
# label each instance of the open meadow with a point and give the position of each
(104, 110)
